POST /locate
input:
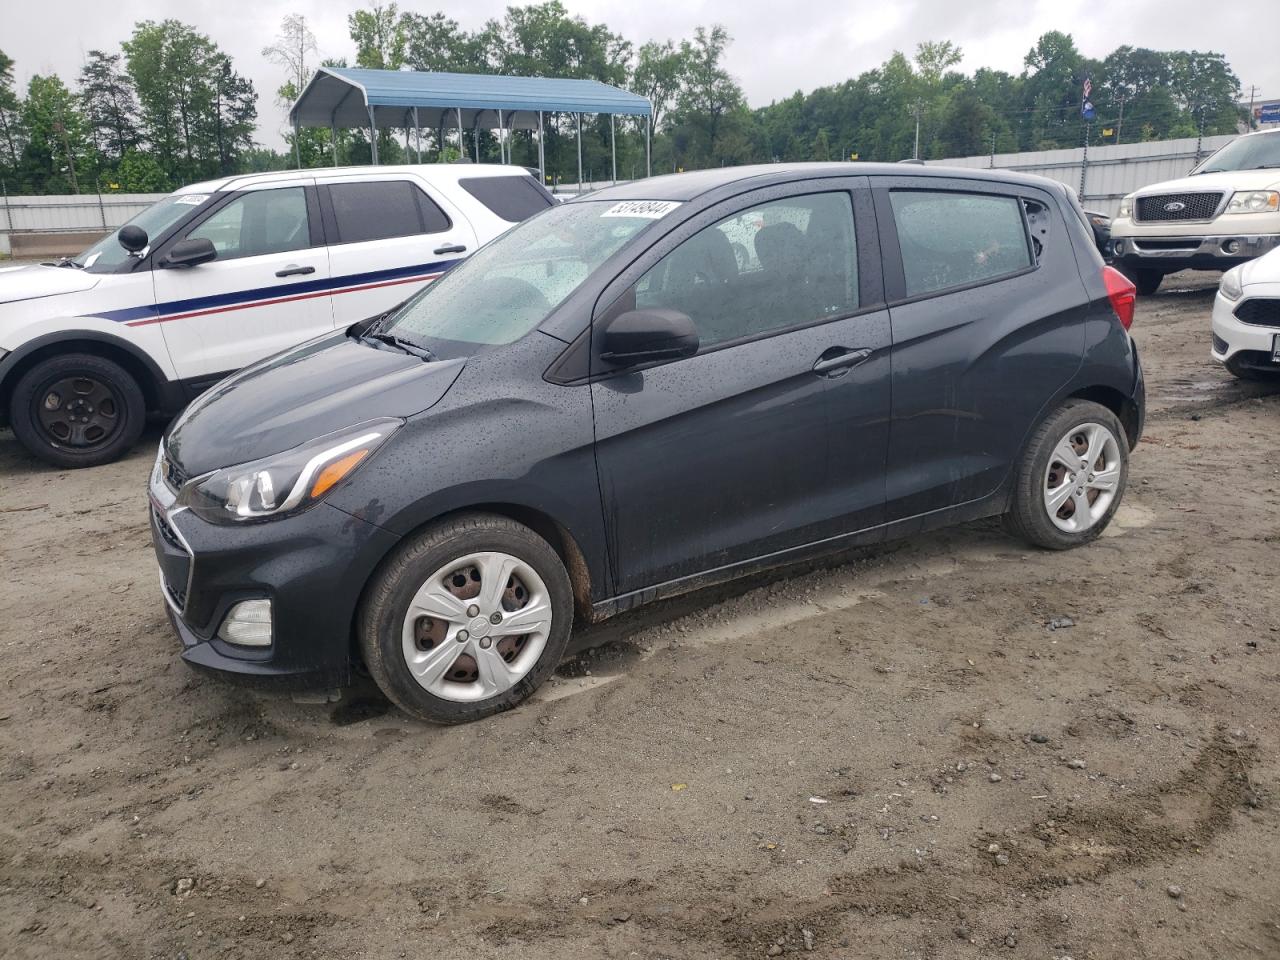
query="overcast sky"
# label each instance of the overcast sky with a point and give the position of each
(775, 50)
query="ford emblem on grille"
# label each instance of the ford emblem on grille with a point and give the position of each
(1174, 207)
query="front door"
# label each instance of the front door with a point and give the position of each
(774, 435)
(267, 290)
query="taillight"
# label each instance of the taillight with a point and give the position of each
(1122, 294)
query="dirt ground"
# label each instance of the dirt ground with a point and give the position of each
(892, 755)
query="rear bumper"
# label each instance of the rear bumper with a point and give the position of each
(1170, 254)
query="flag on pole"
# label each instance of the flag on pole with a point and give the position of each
(1086, 105)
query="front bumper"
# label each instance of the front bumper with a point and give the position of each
(312, 566)
(1169, 254)
(1247, 343)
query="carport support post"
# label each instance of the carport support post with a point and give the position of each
(417, 135)
(373, 138)
(502, 153)
(542, 156)
(648, 150)
(297, 149)
(579, 154)
(462, 150)
(613, 150)
(333, 141)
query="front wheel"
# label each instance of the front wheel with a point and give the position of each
(468, 618)
(1147, 281)
(77, 410)
(1071, 477)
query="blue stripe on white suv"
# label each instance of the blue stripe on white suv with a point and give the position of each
(218, 275)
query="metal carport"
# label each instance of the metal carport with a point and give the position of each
(414, 100)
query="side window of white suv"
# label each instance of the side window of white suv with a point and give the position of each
(258, 223)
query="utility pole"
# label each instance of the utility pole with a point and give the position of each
(915, 153)
(1120, 122)
(1253, 93)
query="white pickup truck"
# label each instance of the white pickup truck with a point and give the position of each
(1226, 212)
(218, 275)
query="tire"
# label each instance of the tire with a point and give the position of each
(467, 685)
(1040, 473)
(1241, 372)
(100, 423)
(1147, 281)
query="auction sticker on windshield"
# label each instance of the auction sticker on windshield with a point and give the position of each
(191, 199)
(649, 209)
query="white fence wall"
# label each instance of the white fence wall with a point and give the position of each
(86, 211)
(1109, 172)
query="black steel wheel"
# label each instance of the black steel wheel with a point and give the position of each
(77, 410)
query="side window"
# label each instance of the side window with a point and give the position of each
(258, 223)
(381, 209)
(772, 266)
(511, 198)
(953, 239)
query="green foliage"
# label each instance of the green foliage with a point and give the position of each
(138, 173)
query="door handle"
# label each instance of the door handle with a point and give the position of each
(451, 248)
(294, 270)
(838, 360)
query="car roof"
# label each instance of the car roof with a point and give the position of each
(697, 183)
(431, 172)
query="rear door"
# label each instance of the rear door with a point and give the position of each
(774, 434)
(987, 307)
(266, 291)
(388, 237)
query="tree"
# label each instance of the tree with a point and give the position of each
(660, 71)
(708, 93)
(57, 149)
(437, 43)
(140, 173)
(11, 138)
(110, 105)
(378, 33)
(294, 43)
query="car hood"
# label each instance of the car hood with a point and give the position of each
(1263, 269)
(36, 280)
(1228, 181)
(297, 396)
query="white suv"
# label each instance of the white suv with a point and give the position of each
(1227, 211)
(220, 274)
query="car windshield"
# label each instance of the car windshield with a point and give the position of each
(107, 254)
(1246, 153)
(509, 286)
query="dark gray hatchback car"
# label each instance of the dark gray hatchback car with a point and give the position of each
(636, 393)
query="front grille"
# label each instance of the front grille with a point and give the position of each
(174, 476)
(1263, 311)
(1145, 244)
(1187, 206)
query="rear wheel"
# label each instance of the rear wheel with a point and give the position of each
(466, 619)
(77, 410)
(1071, 477)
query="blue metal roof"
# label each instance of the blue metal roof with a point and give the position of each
(342, 96)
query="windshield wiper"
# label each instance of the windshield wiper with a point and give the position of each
(408, 346)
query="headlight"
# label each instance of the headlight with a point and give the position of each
(285, 482)
(1230, 287)
(1126, 206)
(1254, 201)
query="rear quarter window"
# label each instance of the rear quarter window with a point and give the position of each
(382, 209)
(956, 239)
(511, 198)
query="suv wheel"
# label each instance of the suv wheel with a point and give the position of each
(1070, 479)
(466, 619)
(1147, 281)
(77, 410)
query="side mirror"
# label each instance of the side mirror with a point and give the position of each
(133, 238)
(642, 336)
(189, 252)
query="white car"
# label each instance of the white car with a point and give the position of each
(218, 275)
(1246, 319)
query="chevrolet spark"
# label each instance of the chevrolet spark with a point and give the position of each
(627, 396)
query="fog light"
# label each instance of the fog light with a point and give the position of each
(1231, 246)
(248, 624)
(1118, 247)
